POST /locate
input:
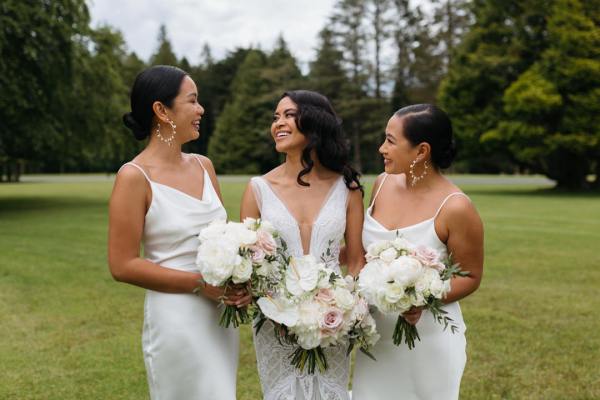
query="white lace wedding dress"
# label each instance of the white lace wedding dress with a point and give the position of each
(279, 379)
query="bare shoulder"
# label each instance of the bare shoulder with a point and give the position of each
(206, 162)
(130, 175)
(459, 209)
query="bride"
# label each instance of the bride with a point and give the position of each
(314, 199)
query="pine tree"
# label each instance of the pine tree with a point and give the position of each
(164, 53)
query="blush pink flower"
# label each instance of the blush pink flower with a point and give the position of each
(325, 296)
(331, 321)
(258, 254)
(265, 241)
(428, 257)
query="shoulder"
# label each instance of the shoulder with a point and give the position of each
(205, 161)
(459, 210)
(130, 174)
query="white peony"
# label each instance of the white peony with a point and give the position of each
(401, 244)
(405, 270)
(393, 293)
(388, 255)
(375, 248)
(216, 261)
(215, 230)
(240, 234)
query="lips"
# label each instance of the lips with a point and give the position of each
(282, 134)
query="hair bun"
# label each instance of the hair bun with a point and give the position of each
(130, 122)
(445, 159)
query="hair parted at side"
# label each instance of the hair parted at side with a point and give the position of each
(156, 83)
(316, 119)
(430, 124)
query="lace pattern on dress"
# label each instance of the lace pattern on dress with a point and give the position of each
(279, 379)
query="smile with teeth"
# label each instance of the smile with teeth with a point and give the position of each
(281, 134)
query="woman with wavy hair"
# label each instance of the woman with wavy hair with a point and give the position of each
(314, 199)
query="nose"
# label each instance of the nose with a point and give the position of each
(201, 109)
(382, 148)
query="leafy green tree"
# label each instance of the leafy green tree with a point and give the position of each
(327, 75)
(36, 65)
(503, 42)
(552, 110)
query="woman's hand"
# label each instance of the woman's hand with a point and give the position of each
(232, 296)
(413, 315)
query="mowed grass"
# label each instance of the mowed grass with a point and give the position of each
(68, 331)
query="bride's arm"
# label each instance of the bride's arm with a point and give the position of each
(249, 206)
(354, 253)
(128, 206)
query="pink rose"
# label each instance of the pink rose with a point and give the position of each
(361, 309)
(428, 257)
(325, 296)
(258, 254)
(265, 241)
(331, 321)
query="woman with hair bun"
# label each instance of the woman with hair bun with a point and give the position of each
(314, 199)
(414, 200)
(162, 199)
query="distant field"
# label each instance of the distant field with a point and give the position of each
(70, 332)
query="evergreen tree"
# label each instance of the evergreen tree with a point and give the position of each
(552, 122)
(503, 42)
(164, 53)
(327, 75)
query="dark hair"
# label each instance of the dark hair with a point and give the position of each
(428, 123)
(157, 83)
(317, 120)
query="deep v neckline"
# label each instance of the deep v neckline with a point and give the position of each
(319, 213)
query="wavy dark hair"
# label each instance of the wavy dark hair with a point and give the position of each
(316, 119)
(156, 83)
(428, 123)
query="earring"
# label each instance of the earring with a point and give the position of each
(168, 140)
(413, 178)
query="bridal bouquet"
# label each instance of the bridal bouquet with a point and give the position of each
(248, 253)
(316, 308)
(399, 276)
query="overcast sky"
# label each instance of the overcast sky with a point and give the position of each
(223, 24)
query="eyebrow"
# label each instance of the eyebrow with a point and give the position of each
(192, 94)
(287, 109)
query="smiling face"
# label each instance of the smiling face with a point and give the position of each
(186, 112)
(284, 130)
(397, 151)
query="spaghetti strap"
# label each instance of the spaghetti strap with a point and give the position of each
(138, 167)
(197, 157)
(379, 188)
(446, 199)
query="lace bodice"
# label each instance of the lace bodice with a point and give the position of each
(279, 379)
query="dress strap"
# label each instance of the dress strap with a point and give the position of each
(379, 188)
(257, 189)
(138, 167)
(197, 157)
(448, 198)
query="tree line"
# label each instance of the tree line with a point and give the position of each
(520, 80)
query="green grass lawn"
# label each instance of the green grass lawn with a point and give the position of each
(68, 331)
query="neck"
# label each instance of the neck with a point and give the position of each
(293, 165)
(426, 184)
(162, 152)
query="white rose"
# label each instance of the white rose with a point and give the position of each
(250, 223)
(401, 244)
(343, 298)
(242, 271)
(309, 339)
(436, 287)
(393, 293)
(388, 255)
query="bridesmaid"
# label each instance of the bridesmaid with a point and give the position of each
(163, 198)
(430, 211)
